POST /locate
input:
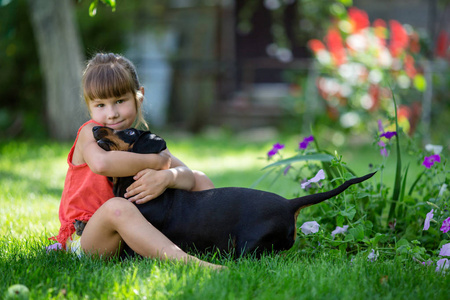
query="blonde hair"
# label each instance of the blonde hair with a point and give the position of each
(112, 75)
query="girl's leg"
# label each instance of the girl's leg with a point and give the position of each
(119, 220)
(202, 182)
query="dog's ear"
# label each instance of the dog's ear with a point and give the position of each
(148, 142)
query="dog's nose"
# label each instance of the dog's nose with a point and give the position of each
(95, 128)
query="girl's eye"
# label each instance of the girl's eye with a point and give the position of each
(100, 105)
(120, 101)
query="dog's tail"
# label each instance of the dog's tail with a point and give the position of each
(298, 203)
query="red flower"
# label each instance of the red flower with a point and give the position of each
(442, 44)
(316, 45)
(335, 46)
(358, 18)
(399, 38)
(410, 69)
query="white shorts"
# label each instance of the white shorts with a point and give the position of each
(73, 244)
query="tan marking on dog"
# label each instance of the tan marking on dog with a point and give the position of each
(116, 143)
(295, 219)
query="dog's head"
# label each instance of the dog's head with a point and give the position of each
(130, 139)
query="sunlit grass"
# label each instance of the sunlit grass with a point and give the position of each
(31, 180)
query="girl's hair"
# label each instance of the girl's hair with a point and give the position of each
(112, 75)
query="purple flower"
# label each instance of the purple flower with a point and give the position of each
(55, 246)
(442, 264)
(446, 225)
(427, 263)
(426, 225)
(304, 144)
(275, 149)
(388, 134)
(383, 150)
(339, 230)
(380, 126)
(310, 227)
(319, 176)
(445, 250)
(430, 160)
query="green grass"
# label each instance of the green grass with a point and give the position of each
(31, 180)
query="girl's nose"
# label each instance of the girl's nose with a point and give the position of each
(112, 112)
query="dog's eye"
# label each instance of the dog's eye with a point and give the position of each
(131, 132)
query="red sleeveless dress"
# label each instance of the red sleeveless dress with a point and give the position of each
(84, 192)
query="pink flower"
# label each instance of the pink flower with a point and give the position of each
(319, 176)
(275, 149)
(339, 230)
(430, 160)
(310, 227)
(446, 225)
(442, 264)
(445, 250)
(426, 225)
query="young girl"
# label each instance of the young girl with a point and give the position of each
(114, 97)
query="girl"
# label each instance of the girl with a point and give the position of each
(114, 97)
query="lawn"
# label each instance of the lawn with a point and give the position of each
(31, 180)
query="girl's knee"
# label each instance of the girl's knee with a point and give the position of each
(117, 207)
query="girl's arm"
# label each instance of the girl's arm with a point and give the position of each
(114, 163)
(150, 183)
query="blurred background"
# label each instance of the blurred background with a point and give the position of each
(286, 65)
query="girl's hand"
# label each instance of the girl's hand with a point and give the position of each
(149, 184)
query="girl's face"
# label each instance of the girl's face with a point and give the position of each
(116, 113)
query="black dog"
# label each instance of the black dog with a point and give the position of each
(228, 219)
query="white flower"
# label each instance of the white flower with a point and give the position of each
(442, 264)
(372, 256)
(339, 230)
(310, 227)
(445, 250)
(319, 176)
(436, 149)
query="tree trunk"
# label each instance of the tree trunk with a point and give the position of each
(61, 59)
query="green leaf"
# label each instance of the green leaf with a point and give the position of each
(357, 232)
(111, 3)
(349, 213)
(398, 171)
(349, 238)
(403, 242)
(297, 158)
(376, 239)
(420, 83)
(347, 2)
(93, 8)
